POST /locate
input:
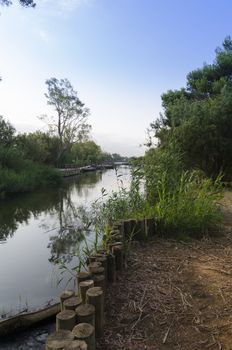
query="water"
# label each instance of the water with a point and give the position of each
(38, 228)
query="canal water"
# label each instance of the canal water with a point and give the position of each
(39, 228)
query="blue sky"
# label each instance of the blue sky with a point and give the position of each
(120, 55)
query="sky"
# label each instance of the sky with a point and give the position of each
(119, 55)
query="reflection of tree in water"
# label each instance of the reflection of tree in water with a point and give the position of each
(85, 183)
(18, 210)
(54, 202)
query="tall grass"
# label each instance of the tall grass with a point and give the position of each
(190, 207)
(183, 203)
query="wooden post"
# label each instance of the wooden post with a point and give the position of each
(65, 295)
(93, 257)
(65, 319)
(150, 226)
(86, 314)
(102, 252)
(95, 297)
(111, 245)
(85, 332)
(93, 265)
(97, 270)
(55, 338)
(83, 276)
(115, 237)
(118, 253)
(127, 228)
(84, 286)
(111, 268)
(100, 281)
(115, 232)
(76, 345)
(72, 303)
(103, 261)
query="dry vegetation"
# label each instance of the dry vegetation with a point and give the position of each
(174, 295)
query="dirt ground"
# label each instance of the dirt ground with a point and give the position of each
(174, 295)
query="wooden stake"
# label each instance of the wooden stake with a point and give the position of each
(111, 245)
(65, 319)
(62, 336)
(103, 261)
(76, 345)
(118, 253)
(72, 303)
(85, 332)
(94, 265)
(99, 281)
(97, 270)
(150, 226)
(95, 297)
(65, 295)
(115, 237)
(93, 257)
(127, 228)
(83, 276)
(86, 314)
(111, 268)
(84, 286)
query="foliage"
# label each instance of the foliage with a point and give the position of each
(183, 203)
(39, 146)
(70, 121)
(7, 132)
(25, 3)
(198, 117)
(189, 208)
(30, 176)
(85, 153)
(19, 173)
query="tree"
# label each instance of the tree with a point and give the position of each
(199, 117)
(87, 152)
(70, 121)
(38, 146)
(25, 3)
(7, 132)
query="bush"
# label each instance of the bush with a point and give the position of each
(32, 176)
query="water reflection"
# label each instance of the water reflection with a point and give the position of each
(19, 210)
(38, 229)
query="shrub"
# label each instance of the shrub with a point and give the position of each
(32, 176)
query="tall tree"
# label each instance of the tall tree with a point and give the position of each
(199, 116)
(70, 121)
(7, 132)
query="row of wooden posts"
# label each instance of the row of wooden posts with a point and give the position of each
(81, 318)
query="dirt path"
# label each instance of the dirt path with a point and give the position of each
(175, 295)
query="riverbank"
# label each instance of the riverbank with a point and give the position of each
(27, 178)
(174, 295)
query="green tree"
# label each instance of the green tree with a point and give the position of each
(70, 121)
(199, 116)
(39, 146)
(86, 153)
(7, 132)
